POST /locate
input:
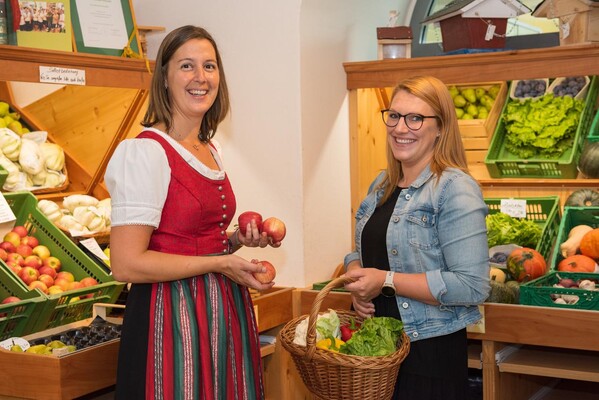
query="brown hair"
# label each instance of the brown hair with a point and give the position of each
(159, 106)
(448, 150)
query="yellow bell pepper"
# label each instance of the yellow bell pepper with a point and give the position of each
(327, 344)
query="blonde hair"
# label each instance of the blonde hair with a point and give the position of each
(448, 150)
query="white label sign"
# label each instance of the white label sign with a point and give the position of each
(514, 208)
(63, 76)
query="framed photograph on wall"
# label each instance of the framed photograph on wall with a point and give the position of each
(104, 27)
(40, 24)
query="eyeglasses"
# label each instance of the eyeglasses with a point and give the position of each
(413, 121)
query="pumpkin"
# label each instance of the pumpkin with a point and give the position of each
(572, 245)
(583, 198)
(588, 163)
(577, 263)
(589, 244)
(525, 264)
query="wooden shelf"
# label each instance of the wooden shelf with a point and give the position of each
(474, 356)
(551, 362)
(21, 64)
(266, 349)
(481, 67)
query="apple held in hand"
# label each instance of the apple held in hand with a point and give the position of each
(268, 275)
(274, 228)
(246, 218)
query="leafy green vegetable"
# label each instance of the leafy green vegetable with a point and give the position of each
(328, 324)
(378, 336)
(545, 127)
(504, 229)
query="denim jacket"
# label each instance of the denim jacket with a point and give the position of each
(439, 229)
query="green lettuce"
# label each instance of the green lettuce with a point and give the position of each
(377, 336)
(504, 229)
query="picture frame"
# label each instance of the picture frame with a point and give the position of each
(104, 27)
(41, 24)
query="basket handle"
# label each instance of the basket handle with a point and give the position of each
(311, 334)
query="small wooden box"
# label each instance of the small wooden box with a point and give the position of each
(482, 128)
(578, 19)
(34, 376)
(273, 308)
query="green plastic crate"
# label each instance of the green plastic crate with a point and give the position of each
(573, 216)
(321, 285)
(73, 305)
(502, 164)
(18, 319)
(594, 131)
(544, 212)
(540, 291)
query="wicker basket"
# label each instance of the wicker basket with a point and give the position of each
(335, 376)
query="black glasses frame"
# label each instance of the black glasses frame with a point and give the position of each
(408, 124)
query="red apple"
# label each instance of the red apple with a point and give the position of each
(28, 275)
(55, 289)
(3, 254)
(88, 281)
(15, 257)
(20, 230)
(246, 218)
(14, 267)
(47, 270)
(75, 285)
(268, 275)
(8, 247)
(41, 251)
(10, 299)
(30, 241)
(24, 250)
(66, 275)
(38, 285)
(52, 262)
(61, 282)
(274, 228)
(33, 261)
(47, 279)
(12, 237)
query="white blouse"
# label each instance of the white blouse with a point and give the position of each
(138, 176)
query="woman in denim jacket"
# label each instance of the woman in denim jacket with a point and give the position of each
(421, 241)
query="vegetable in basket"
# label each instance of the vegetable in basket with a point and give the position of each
(378, 336)
(347, 330)
(330, 343)
(327, 324)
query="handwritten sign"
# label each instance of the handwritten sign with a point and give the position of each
(515, 208)
(63, 76)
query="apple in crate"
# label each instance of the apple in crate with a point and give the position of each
(38, 285)
(75, 285)
(3, 254)
(55, 289)
(20, 230)
(12, 237)
(8, 300)
(46, 279)
(62, 283)
(47, 270)
(89, 281)
(30, 241)
(24, 250)
(15, 267)
(28, 275)
(33, 261)
(66, 275)
(52, 262)
(8, 247)
(41, 251)
(16, 258)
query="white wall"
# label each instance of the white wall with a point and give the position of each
(286, 142)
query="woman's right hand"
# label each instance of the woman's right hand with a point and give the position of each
(242, 271)
(364, 309)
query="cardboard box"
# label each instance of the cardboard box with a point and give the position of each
(34, 376)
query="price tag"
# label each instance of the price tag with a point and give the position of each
(92, 245)
(514, 208)
(490, 32)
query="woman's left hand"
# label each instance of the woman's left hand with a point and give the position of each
(367, 283)
(253, 237)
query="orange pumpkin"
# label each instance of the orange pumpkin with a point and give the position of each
(589, 244)
(577, 263)
(525, 264)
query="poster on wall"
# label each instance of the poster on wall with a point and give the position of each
(104, 26)
(41, 24)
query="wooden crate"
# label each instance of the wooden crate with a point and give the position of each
(578, 19)
(273, 307)
(70, 376)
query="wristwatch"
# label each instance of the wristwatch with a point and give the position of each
(388, 289)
